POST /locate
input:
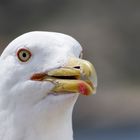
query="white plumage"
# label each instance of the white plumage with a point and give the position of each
(27, 109)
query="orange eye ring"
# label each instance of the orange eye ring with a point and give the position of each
(24, 54)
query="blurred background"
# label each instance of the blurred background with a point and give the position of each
(109, 33)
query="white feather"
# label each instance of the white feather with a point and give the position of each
(27, 112)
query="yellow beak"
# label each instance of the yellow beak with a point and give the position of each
(77, 76)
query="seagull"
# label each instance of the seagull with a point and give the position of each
(41, 76)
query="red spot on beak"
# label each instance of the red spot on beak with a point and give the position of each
(83, 89)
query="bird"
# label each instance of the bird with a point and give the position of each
(41, 76)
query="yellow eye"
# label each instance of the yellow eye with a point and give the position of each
(23, 54)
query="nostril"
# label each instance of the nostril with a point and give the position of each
(77, 67)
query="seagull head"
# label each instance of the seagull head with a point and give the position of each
(43, 72)
(45, 63)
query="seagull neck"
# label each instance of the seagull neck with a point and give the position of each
(54, 121)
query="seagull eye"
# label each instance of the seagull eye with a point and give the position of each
(23, 55)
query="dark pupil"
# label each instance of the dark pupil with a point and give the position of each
(24, 55)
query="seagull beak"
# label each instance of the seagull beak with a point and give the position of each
(77, 76)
